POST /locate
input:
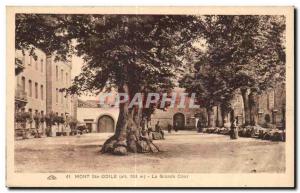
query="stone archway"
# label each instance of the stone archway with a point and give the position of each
(178, 121)
(106, 124)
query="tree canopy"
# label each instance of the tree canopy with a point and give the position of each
(248, 49)
(143, 51)
(47, 32)
(243, 52)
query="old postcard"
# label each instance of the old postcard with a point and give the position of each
(150, 97)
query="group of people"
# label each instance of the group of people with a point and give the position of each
(170, 127)
(201, 123)
(144, 139)
(149, 130)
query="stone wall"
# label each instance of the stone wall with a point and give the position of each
(91, 115)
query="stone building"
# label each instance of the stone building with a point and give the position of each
(270, 103)
(30, 85)
(104, 119)
(58, 76)
(37, 86)
(182, 118)
(96, 118)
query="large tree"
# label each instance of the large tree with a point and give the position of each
(247, 53)
(134, 54)
(210, 87)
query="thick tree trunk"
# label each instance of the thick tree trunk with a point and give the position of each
(223, 116)
(218, 122)
(210, 114)
(253, 107)
(246, 106)
(128, 136)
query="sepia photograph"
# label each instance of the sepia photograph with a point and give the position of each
(150, 97)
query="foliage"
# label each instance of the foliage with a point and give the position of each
(209, 85)
(73, 122)
(49, 118)
(22, 117)
(58, 119)
(249, 50)
(142, 51)
(47, 32)
(42, 118)
(19, 67)
(242, 52)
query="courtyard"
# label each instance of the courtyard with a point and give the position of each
(181, 152)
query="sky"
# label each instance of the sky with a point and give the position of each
(77, 63)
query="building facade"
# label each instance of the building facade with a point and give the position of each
(37, 86)
(179, 118)
(58, 76)
(30, 84)
(104, 119)
(270, 103)
(96, 118)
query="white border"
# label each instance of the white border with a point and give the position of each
(3, 3)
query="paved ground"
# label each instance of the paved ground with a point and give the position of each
(185, 151)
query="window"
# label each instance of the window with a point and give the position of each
(56, 73)
(36, 90)
(42, 113)
(62, 98)
(42, 65)
(23, 83)
(30, 88)
(56, 98)
(62, 75)
(66, 78)
(67, 101)
(30, 60)
(23, 59)
(36, 63)
(42, 92)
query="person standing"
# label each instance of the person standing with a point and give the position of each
(234, 129)
(169, 128)
(159, 130)
(176, 126)
(199, 126)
